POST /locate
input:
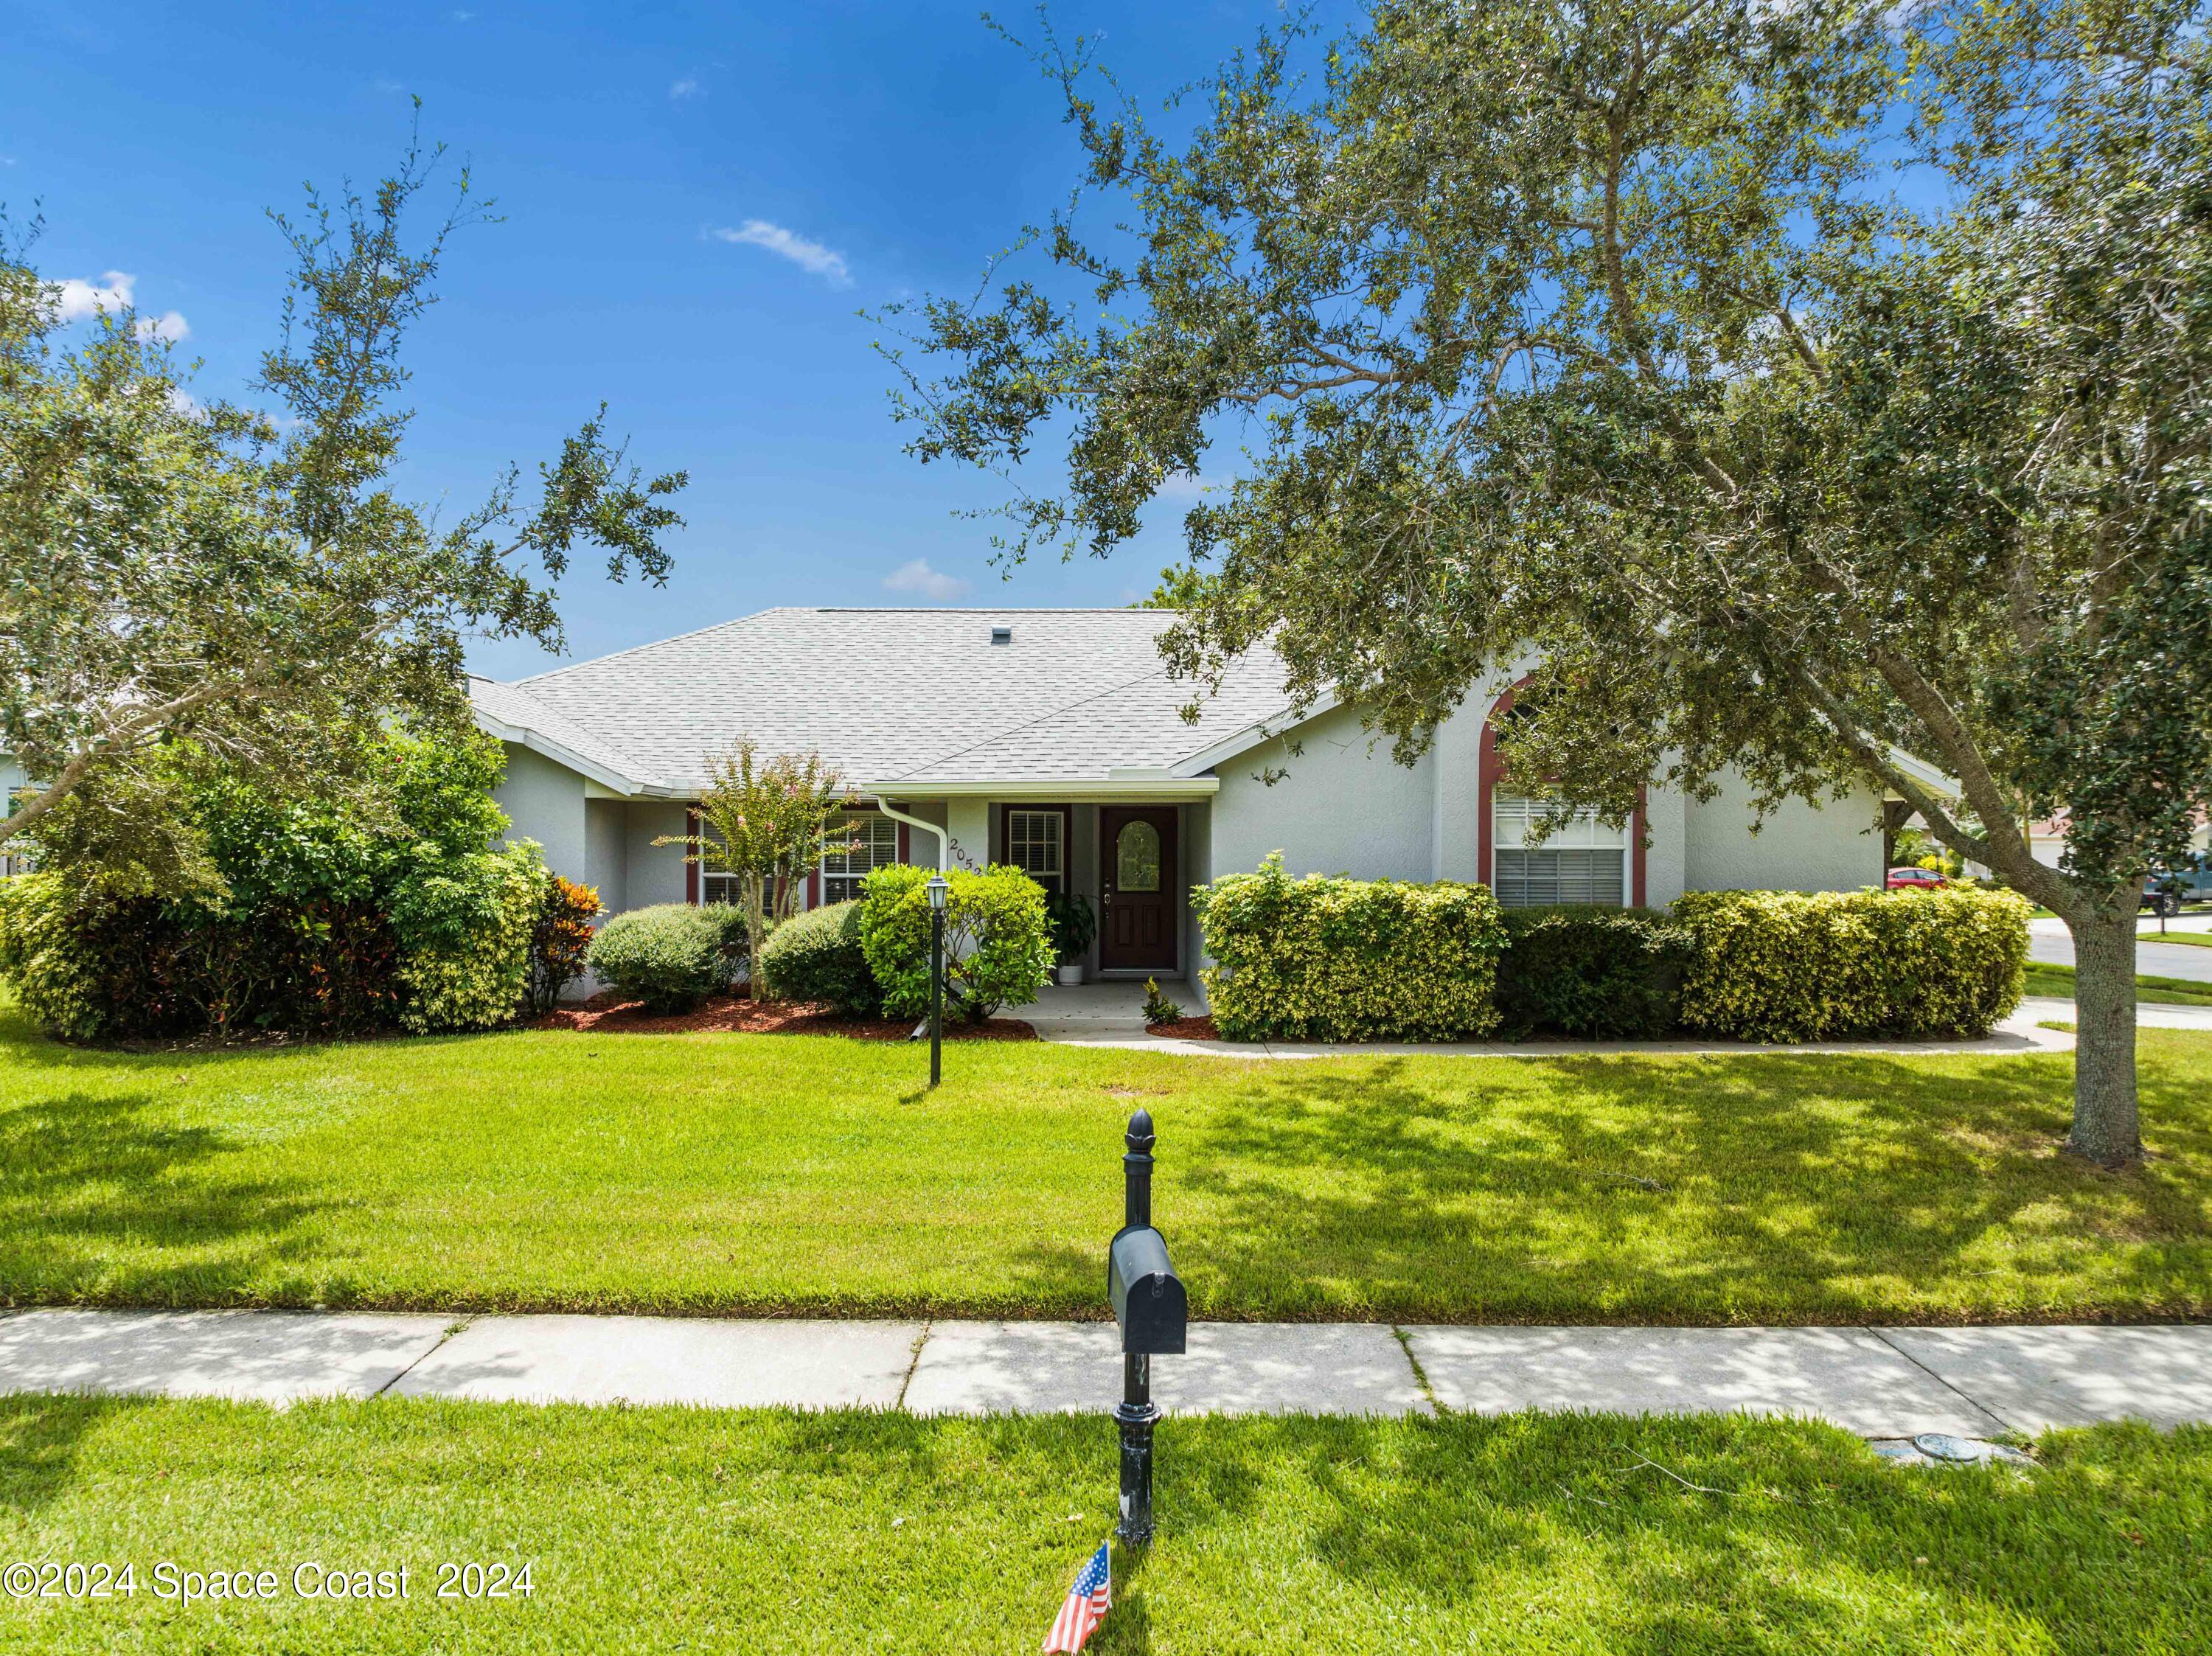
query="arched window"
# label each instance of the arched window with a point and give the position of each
(1136, 857)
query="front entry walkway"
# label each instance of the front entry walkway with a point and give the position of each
(1878, 1382)
(1113, 1015)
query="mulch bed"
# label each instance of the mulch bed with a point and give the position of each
(1200, 1028)
(607, 1013)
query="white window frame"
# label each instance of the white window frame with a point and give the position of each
(842, 869)
(715, 885)
(1056, 877)
(1510, 817)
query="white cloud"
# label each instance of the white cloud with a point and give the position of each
(183, 401)
(916, 576)
(79, 299)
(76, 299)
(810, 256)
(686, 87)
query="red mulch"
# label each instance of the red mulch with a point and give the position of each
(607, 1014)
(1185, 1029)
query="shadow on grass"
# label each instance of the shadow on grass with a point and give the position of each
(1525, 1531)
(1808, 1543)
(1807, 1188)
(40, 1438)
(102, 1198)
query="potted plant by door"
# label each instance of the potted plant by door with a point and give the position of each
(1074, 923)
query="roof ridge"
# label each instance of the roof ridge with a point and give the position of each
(654, 644)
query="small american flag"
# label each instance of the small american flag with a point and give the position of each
(1086, 1605)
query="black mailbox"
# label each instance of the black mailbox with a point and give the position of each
(1154, 1315)
(1148, 1297)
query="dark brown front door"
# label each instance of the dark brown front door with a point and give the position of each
(1137, 875)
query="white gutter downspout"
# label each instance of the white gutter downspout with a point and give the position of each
(930, 828)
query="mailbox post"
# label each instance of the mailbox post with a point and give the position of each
(1153, 1311)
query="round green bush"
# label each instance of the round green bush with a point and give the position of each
(671, 956)
(818, 956)
(998, 945)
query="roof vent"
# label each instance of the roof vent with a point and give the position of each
(1002, 635)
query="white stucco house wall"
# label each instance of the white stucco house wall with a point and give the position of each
(1054, 739)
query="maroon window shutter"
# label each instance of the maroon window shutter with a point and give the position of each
(1637, 883)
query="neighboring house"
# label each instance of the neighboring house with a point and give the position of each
(13, 782)
(1054, 739)
(2046, 840)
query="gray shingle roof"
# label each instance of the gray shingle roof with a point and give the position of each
(511, 704)
(921, 695)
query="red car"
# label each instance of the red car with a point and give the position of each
(1916, 879)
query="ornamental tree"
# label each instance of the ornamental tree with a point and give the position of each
(256, 588)
(768, 822)
(1800, 386)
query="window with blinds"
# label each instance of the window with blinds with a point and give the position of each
(716, 884)
(1583, 861)
(859, 843)
(1033, 846)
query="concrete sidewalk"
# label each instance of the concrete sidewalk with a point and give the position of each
(1879, 1382)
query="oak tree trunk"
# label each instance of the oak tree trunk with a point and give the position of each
(2106, 1129)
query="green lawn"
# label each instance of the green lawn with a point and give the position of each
(667, 1530)
(2058, 981)
(722, 1174)
(2186, 939)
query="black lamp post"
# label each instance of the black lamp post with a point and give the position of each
(938, 889)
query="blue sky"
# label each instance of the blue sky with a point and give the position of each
(697, 200)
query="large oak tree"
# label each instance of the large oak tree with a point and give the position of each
(1803, 385)
(249, 587)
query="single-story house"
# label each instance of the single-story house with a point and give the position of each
(1054, 739)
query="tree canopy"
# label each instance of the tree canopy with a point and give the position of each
(1796, 387)
(249, 585)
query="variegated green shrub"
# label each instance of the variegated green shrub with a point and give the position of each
(1837, 965)
(1334, 959)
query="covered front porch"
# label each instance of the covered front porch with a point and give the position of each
(1109, 1012)
(1131, 852)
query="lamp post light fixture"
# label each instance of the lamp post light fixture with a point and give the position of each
(938, 890)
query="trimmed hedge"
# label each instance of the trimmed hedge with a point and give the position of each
(464, 927)
(998, 942)
(1797, 965)
(1334, 959)
(671, 955)
(1598, 973)
(817, 955)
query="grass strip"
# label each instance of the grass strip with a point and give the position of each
(665, 1530)
(781, 1174)
(2045, 979)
